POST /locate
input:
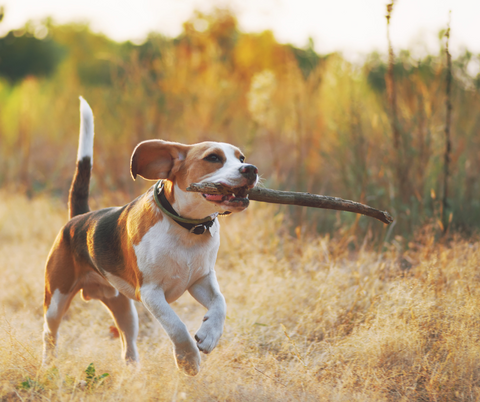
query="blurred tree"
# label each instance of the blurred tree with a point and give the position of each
(306, 58)
(23, 54)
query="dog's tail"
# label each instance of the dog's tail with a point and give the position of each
(78, 196)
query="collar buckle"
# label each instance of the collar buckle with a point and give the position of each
(195, 226)
(198, 229)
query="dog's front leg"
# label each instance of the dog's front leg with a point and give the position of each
(207, 292)
(186, 353)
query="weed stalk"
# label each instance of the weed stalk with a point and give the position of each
(448, 119)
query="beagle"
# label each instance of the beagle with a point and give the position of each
(151, 250)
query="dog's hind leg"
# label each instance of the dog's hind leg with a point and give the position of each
(125, 315)
(59, 292)
(59, 304)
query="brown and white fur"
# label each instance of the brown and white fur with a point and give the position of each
(136, 252)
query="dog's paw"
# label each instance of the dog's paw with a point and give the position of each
(49, 354)
(48, 362)
(187, 358)
(209, 334)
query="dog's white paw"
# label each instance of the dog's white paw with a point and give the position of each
(187, 357)
(209, 334)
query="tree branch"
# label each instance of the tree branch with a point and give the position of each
(294, 198)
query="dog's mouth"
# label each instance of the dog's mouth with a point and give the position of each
(237, 198)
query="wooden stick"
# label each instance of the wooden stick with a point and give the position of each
(294, 198)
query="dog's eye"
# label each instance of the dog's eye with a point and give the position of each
(213, 158)
(242, 159)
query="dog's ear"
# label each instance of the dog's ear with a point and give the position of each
(155, 159)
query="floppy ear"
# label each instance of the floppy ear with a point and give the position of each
(154, 159)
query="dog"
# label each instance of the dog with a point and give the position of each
(153, 249)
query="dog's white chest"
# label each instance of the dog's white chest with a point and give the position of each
(174, 259)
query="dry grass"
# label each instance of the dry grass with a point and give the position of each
(307, 320)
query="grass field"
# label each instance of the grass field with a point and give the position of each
(308, 319)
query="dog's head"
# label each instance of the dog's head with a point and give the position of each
(182, 165)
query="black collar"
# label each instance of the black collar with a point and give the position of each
(195, 226)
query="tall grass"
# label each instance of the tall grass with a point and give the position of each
(448, 122)
(308, 319)
(311, 123)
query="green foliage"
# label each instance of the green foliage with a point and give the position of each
(92, 380)
(95, 72)
(30, 384)
(376, 71)
(23, 55)
(404, 68)
(307, 59)
(50, 379)
(41, 383)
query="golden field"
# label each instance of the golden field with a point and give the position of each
(309, 318)
(321, 305)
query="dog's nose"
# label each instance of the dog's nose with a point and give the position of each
(249, 171)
